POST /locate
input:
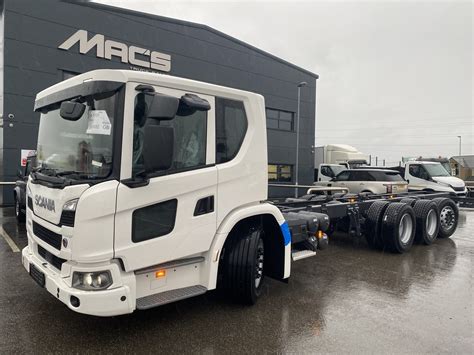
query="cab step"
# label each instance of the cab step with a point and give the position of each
(159, 299)
(302, 254)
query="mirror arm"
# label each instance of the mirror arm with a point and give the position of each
(136, 182)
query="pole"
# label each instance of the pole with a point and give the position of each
(459, 145)
(297, 140)
(376, 161)
(370, 160)
(297, 166)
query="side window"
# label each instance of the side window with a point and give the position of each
(231, 126)
(344, 176)
(154, 221)
(326, 171)
(415, 171)
(190, 137)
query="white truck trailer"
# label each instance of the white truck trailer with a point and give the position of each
(331, 159)
(150, 189)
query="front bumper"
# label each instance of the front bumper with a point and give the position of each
(110, 302)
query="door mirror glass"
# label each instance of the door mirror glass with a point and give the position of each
(157, 106)
(71, 110)
(158, 148)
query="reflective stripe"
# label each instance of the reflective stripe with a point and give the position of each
(286, 233)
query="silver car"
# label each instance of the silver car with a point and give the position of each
(376, 181)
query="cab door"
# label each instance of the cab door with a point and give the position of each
(173, 216)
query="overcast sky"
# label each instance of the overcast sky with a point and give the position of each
(396, 77)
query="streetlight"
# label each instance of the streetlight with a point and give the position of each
(300, 85)
(459, 145)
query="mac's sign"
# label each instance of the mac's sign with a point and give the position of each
(107, 49)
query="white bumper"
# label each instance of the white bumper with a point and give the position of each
(111, 302)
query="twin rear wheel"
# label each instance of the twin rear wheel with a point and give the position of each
(395, 226)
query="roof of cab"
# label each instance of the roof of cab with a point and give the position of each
(124, 76)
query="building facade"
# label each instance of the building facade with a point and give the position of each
(45, 41)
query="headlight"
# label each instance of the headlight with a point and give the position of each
(70, 205)
(91, 281)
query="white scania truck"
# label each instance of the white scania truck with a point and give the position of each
(150, 189)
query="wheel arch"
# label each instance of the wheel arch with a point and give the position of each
(276, 238)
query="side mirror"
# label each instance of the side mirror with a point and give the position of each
(190, 103)
(158, 148)
(19, 173)
(161, 107)
(71, 110)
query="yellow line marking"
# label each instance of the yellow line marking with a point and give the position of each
(9, 240)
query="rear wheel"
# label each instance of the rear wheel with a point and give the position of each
(19, 214)
(408, 201)
(427, 221)
(448, 216)
(398, 227)
(373, 224)
(243, 263)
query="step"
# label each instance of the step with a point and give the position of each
(302, 254)
(159, 299)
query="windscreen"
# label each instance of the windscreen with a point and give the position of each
(77, 147)
(436, 170)
(337, 169)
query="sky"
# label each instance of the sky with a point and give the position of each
(396, 77)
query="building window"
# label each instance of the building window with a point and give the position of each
(278, 119)
(66, 74)
(231, 126)
(280, 173)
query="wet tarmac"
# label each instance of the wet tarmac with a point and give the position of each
(348, 298)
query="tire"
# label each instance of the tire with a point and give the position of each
(243, 262)
(373, 224)
(427, 221)
(398, 227)
(409, 201)
(448, 215)
(19, 214)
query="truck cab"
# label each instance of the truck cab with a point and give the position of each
(432, 176)
(326, 172)
(150, 189)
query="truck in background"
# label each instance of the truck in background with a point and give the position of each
(430, 176)
(331, 159)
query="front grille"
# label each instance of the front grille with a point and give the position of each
(458, 188)
(67, 218)
(47, 236)
(50, 258)
(30, 203)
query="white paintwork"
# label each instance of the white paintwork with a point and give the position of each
(334, 168)
(102, 232)
(337, 154)
(437, 183)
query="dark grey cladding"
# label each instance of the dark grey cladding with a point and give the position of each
(34, 29)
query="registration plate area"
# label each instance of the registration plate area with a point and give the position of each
(37, 275)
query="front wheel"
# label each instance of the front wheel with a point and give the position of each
(19, 214)
(243, 262)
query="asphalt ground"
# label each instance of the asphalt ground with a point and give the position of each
(347, 299)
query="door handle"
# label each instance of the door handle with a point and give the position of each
(204, 205)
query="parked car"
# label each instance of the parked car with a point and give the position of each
(376, 181)
(19, 192)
